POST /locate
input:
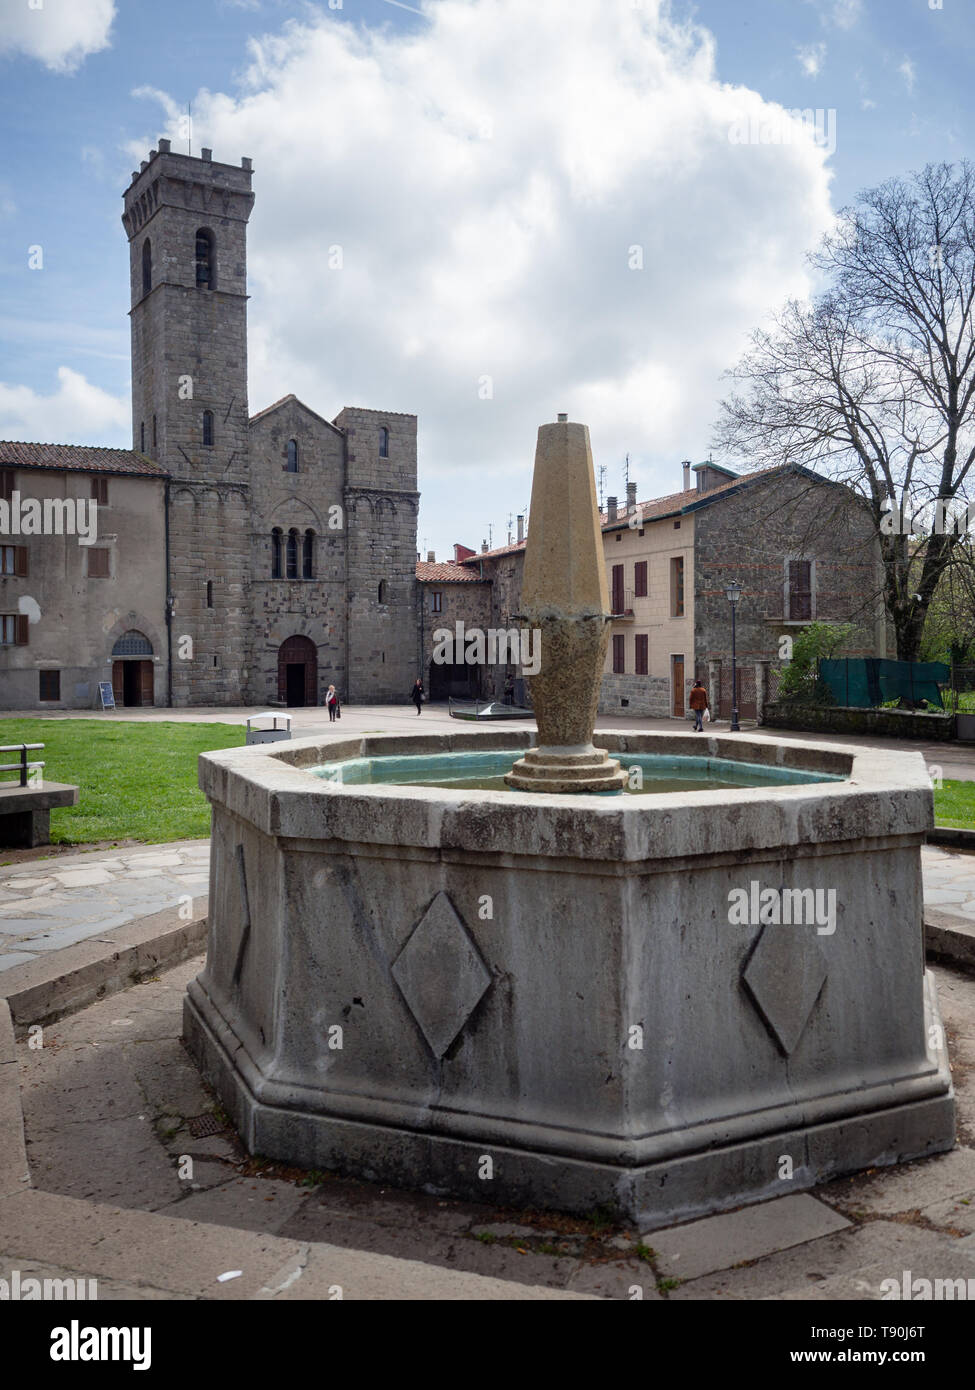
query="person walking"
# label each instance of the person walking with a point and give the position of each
(416, 694)
(332, 701)
(698, 703)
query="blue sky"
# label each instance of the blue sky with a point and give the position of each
(487, 167)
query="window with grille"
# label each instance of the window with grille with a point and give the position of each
(619, 654)
(800, 590)
(132, 643)
(50, 685)
(642, 654)
(677, 586)
(640, 579)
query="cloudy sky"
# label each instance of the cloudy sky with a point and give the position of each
(542, 205)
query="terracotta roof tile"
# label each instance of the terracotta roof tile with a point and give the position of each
(446, 573)
(77, 458)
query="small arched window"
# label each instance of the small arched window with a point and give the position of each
(155, 433)
(206, 260)
(382, 591)
(209, 593)
(142, 437)
(292, 554)
(292, 465)
(308, 556)
(384, 443)
(276, 553)
(208, 429)
(146, 266)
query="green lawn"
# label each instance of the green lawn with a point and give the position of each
(136, 781)
(954, 804)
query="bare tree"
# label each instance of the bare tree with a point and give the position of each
(873, 382)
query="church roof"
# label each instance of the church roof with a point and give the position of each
(292, 399)
(77, 458)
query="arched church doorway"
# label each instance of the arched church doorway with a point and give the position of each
(132, 669)
(298, 672)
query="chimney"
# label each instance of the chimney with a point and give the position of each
(521, 529)
(165, 146)
(611, 507)
(484, 547)
(431, 557)
(206, 155)
(686, 465)
(630, 498)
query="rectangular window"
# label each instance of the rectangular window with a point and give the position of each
(98, 563)
(437, 602)
(619, 654)
(677, 586)
(13, 629)
(13, 560)
(6, 484)
(99, 491)
(640, 579)
(50, 682)
(617, 596)
(800, 590)
(642, 654)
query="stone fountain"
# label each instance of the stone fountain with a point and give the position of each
(544, 997)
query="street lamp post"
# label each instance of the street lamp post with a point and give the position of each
(733, 595)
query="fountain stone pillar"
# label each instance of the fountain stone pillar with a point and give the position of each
(566, 601)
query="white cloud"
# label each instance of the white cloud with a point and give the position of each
(838, 14)
(485, 176)
(76, 413)
(60, 34)
(908, 71)
(811, 57)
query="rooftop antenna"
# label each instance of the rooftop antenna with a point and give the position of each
(510, 520)
(490, 536)
(626, 471)
(189, 128)
(602, 484)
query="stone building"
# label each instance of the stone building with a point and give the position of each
(270, 555)
(803, 548)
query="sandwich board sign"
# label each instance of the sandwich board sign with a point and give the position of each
(108, 697)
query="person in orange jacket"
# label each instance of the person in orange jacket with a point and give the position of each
(698, 703)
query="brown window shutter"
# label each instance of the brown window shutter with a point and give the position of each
(21, 563)
(22, 630)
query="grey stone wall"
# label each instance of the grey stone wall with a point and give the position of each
(647, 695)
(750, 534)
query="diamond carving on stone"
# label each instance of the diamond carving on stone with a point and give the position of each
(441, 974)
(784, 976)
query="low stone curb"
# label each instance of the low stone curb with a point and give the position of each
(43, 990)
(950, 938)
(952, 836)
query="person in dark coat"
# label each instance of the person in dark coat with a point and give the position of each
(699, 703)
(416, 695)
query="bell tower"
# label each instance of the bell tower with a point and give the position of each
(186, 221)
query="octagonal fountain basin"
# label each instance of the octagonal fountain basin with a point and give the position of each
(483, 770)
(669, 1003)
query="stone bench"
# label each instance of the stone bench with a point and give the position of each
(25, 805)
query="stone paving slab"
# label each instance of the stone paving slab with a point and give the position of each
(907, 1187)
(718, 1242)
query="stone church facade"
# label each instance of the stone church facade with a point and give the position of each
(284, 558)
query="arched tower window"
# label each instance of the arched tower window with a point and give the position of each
(155, 433)
(384, 443)
(146, 266)
(292, 465)
(209, 593)
(276, 553)
(292, 554)
(308, 556)
(206, 260)
(382, 591)
(208, 429)
(142, 437)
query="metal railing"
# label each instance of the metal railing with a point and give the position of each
(24, 767)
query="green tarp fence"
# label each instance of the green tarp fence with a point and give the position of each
(866, 682)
